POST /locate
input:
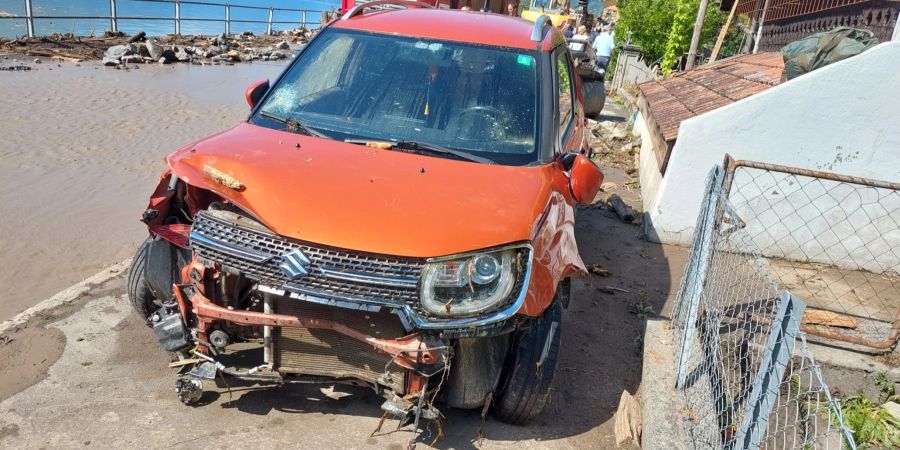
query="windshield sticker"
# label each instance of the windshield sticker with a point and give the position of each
(525, 60)
(434, 46)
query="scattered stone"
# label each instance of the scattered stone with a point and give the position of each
(233, 55)
(110, 62)
(37, 60)
(132, 59)
(163, 61)
(599, 270)
(628, 424)
(139, 36)
(283, 45)
(15, 68)
(169, 55)
(221, 40)
(893, 409)
(182, 56)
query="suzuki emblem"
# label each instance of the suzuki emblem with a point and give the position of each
(294, 264)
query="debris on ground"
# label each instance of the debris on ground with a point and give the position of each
(612, 290)
(119, 49)
(628, 420)
(625, 213)
(614, 143)
(599, 270)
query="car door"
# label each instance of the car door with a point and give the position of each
(569, 117)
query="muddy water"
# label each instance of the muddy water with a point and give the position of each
(81, 149)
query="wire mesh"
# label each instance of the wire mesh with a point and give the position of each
(833, 242)
(744, 383)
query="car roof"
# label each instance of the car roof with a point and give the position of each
(453, 25)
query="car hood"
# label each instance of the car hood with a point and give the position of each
(354, 197)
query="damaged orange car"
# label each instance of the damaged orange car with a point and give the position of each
(396, 212)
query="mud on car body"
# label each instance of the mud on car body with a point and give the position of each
(396, 212)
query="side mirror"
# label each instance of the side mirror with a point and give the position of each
(256, 91)
(584, 177)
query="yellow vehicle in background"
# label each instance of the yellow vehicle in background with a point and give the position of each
(592, 74)
(559, 11)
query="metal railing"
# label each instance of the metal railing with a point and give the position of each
(176, 18)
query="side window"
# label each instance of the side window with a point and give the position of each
(564, 91)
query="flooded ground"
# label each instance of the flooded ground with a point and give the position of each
(81, 148)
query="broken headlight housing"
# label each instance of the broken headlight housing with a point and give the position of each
(471, 283)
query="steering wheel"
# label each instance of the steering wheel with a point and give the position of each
(480, 123)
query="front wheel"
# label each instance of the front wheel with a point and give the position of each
(535, 351)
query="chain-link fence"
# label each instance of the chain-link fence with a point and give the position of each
(746, 382)
(832, 240)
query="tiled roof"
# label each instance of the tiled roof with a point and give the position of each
(709, 87)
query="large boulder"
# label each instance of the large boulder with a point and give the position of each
(155, 49)
(169, 55)
(283, 45)
(118, 51)
(182, 55)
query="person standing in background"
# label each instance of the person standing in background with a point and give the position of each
(512, 9)
(604, 46)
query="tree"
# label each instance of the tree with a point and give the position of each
(648, 23)
(663, 28)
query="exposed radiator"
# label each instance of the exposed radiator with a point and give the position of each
(329, 353)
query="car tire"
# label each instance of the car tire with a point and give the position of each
(140, 294)
(531, 366)
(594, 95)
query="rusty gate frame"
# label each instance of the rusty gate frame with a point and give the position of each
(732, 165)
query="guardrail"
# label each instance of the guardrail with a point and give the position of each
(176, 18)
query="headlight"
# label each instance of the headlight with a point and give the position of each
(469, 284)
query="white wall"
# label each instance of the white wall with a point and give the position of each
(843, 118)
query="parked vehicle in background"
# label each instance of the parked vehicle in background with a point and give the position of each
(397, 212)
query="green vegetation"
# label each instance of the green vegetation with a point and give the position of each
(663, 29)
(885, 384)
(871, 424)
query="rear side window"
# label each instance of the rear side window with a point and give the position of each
(564, 91)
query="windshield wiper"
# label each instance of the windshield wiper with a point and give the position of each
(423, 149)
(293, 125)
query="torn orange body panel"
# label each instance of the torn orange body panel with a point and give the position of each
(386, 202)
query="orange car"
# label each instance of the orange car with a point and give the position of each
(396, 212)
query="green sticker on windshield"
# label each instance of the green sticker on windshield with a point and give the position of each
(525, 60)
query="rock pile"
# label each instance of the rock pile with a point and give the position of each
(614, 144)
(221, 49)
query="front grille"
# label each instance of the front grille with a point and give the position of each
(328, 353)
(262, 255)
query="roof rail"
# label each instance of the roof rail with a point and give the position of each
(358, 9)
(537, 34)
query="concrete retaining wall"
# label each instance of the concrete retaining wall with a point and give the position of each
(844, 118)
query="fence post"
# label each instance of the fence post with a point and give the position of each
(227, 19)
(269, 25)
(113, 20)
(177, 17)
(29, 18)
(775, 358)
(304, 19)
(693, 283)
